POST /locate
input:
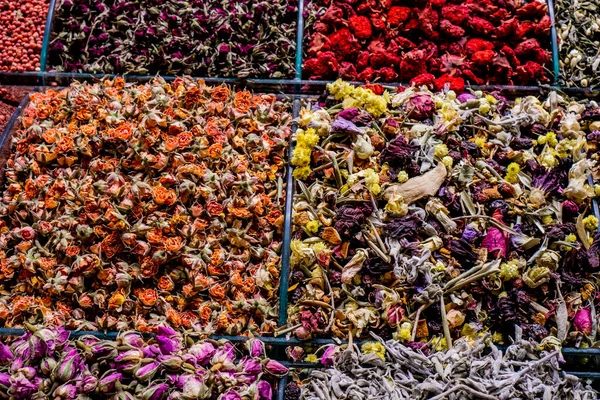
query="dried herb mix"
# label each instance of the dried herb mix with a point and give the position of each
(428, 42)
(578, 30)
(390, 370)
(133, 205)
(435, 216)
(209, 38)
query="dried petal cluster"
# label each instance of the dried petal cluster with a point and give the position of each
(128, 205)
(392, 370)
(428, 42)
(46, 363)
(432, 217)
(578, 30)
(239, 38)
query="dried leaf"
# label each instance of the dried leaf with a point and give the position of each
(418, 187)
(582, 233)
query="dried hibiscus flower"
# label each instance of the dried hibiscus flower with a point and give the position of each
(457, 43)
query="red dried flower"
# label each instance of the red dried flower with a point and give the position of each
(397, 15)
(428, 21)
(481, 26)
(367, 74)
(343, 43)
(361, 26)
(423, 80)
(325, 65)
(457, 14)
(483, 57)
(456, 84)
(449, 29)
(375, 88)
(506, 28)
(531, 71)
(475, 45)
(387, 74)
(533, 9)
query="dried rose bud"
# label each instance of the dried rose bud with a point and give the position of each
(109, 381)
(89, 383)
(255, 347)
(328, 357)
(146, 372)
(68, 366)
(294, 353)
(5, 353)
(265, 391)
(66, 391)
(172, 363)
(203, 352)
(155, 392)
(275, 368)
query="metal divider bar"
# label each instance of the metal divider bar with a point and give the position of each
(46, 42)
(554, 43)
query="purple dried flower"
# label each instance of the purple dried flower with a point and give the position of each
(167, 345)
(328, 357)
(231, 395)
(349, 113)
(109, 381)
(255, 347)
(89, 383)
(5, 353)
(341, 125)
(66, 391)
(68, 366)
(202, 352)
(155, 392)
(265, 392)
(583, 321)
(420, 107)
(146, 372)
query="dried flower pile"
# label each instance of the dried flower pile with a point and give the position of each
(126, 205)
(428, 42)
(198, 37)
(578, 30)
(22, 26)
(389, 370)
(427, 216)
(45, 363)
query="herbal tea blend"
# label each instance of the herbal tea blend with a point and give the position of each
(578, 30)
(428, 42)
(211, 38)
(431, 216)
(131, 205)
(390, 370)
(46, 363)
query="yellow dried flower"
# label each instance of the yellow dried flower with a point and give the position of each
(513, 168)
(402, 176)
(440, 150)
(312, 226)
(311, 358)
(590, 222)
(374, 348)
(447, 161)
(405, 331)
(302, 172)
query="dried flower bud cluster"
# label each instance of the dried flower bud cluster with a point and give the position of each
(128, 206)
(432, 217)
(428, 42)
(239, 38)
(46, 363)
(392, 370)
